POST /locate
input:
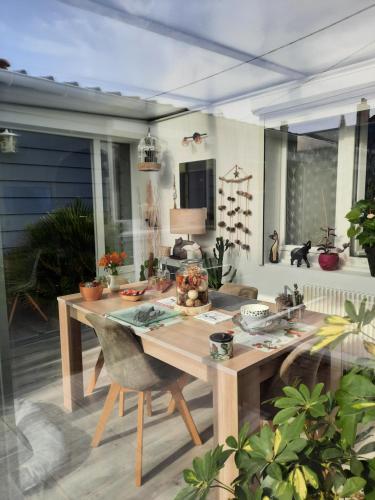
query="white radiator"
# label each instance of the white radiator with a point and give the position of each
(331, 301)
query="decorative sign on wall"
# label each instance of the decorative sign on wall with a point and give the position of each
(234, 207)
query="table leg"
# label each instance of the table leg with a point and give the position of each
(71, 358)
(225, 402)
(236, 400)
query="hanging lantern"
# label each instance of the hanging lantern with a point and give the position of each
(148, 153)
(8, 141)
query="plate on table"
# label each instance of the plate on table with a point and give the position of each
(144, 315)
(266, 325)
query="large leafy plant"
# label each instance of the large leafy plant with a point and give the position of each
(65, 239)
(362, 218)
(337, 328)
(314, 450)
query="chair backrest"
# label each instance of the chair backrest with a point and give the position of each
(125, 361)
(300, 366)
(248, 292)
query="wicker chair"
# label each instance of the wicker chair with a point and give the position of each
(248, 292)
(300, 366)
(131, 370)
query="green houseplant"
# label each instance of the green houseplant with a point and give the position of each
(329, 253)
(214, 264)
(315, 450)
(65, 239)
(362, 218)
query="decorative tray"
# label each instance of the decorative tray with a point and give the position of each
(266, 325)
(144, 315)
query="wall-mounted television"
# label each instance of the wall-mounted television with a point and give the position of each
(197, 187)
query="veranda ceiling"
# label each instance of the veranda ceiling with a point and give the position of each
(194, 54)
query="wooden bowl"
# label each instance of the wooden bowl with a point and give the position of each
(131, 294)
(92, 293)
(131, 298)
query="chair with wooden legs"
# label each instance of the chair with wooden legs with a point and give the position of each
(299, 367)
(24, 290)
(131, 370)
(244, 291)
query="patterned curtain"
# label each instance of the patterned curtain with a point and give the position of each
(311, 188)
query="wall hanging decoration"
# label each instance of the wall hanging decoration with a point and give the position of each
(274, 251)
(8, 141)
(148, 153)
(234, 208)
(196, 137)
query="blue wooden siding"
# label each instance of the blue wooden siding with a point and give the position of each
(47, 172)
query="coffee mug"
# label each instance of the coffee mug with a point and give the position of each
(221, 346)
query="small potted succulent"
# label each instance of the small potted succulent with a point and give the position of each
(91, 290)
(362, 218)
(329, 256)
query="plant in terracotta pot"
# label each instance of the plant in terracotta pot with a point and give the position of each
(91, 290)
(329, 256)
(362, 217)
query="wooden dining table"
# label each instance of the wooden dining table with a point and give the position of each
(236, 383)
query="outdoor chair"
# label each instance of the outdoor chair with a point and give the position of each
(131, 370)
(248, 292)
(24, 290)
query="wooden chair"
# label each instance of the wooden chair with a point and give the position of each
(131, 370)
(300, 366)
(248, 292)
(24, 290)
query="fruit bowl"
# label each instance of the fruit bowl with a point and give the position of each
(132, 294)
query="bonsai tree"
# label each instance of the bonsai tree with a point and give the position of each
(329, 257)
(362, 218)
(314, 450)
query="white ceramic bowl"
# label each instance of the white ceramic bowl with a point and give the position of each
(255, 311)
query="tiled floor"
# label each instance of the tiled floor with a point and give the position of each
(106, 472)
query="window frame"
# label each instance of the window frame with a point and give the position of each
(351, 161)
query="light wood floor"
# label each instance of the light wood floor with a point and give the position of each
(106, 472)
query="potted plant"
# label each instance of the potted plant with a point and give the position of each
(91, 290)
(215, 264)
(329, 256)
(362, 218)
(111, 262)
(313, 451)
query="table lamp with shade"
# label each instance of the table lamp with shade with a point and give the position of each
(189, 221)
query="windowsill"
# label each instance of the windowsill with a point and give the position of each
(348, 270)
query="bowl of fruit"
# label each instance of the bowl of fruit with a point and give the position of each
(132, 294)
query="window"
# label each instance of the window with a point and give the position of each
(314, 171)
(117, 199)
(310, 185)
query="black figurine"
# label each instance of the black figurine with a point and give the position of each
(300, 254)
(274, 251)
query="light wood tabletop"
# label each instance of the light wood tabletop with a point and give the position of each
(185, 345)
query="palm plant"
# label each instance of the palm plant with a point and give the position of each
(65, 239)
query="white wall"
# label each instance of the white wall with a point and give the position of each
(229, 142)
(232, 142)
